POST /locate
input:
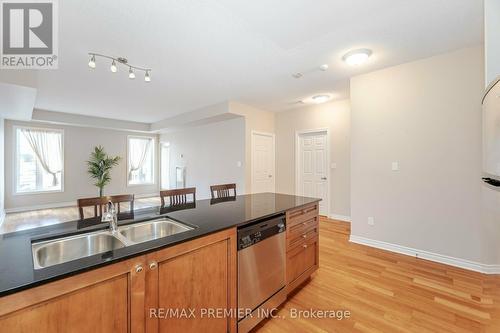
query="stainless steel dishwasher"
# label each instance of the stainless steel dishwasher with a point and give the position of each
(261, 270)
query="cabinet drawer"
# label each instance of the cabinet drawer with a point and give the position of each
(300, 238)
(301, 215)
(297, 230)
(301, 259)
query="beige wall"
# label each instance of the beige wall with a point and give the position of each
(255, 120)
(336, 117)
(78, 143)
(426, 115)
(210, 154)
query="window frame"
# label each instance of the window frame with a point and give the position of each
(16, 160)
(153, 139)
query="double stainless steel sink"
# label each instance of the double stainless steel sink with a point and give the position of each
(60, 250)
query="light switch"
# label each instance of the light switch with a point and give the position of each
(395, 166)
(371, 220)
(333, 166)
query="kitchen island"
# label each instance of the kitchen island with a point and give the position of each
(126, 289)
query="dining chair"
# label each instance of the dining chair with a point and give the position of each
(97, 203)
(122, 198)
(178, 196)
(223, 190)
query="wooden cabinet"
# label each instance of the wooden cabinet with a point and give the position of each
(198, 275)
(107, 299)
(302, 244)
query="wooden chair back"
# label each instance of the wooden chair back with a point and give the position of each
(97, 203)
(223, 190)
(178, 196)
(118, 199)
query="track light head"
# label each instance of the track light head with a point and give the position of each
(92, 61)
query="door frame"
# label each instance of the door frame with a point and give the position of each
(252, 153)
(298, 134)
(160, 155)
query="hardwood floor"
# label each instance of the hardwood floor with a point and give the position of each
(39, 218)
(388, 292)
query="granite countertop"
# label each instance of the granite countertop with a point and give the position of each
(206, 216)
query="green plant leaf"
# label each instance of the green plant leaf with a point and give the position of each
(100, 165)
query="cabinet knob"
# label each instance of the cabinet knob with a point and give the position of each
(153, 265)
(304, 236)
(304, 246)
(138, 268)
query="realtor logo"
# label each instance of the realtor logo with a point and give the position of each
(29, 34)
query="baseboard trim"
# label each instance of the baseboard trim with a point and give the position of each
(61, 205)
(39, 207)
(443, 259)
(344, 218)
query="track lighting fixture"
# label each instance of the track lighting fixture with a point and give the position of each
(123, 61)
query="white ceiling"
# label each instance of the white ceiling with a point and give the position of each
(206, 51)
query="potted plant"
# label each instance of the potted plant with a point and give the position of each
(99, 167)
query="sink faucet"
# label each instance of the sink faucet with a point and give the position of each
(110, 216)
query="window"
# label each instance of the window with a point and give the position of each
(39, 160)
(165, 166)
(140, 160)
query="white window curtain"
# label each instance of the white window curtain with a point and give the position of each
(138, 150)
(47, 147)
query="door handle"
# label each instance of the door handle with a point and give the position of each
(270, 176)
(323, 178)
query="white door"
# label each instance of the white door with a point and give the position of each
(262, 162)
(312, 168)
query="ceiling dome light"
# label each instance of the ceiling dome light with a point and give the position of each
(131, 74)
(147, 77)
(113, 67)
(357, 57)
(318, 99)
(92, 61)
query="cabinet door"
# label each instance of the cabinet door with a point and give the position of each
(301, 262)
(193, 286)
(108, 299)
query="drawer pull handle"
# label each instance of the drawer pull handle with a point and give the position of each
(153, 265)
(138, 268)
(304, 236)
(304, 246)
(305, 223)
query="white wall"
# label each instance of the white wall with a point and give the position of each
(2, 177)
(336, 117)
(492, 38)
(427, 116)
(210, 154)
(78, 144)
(255, 120)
